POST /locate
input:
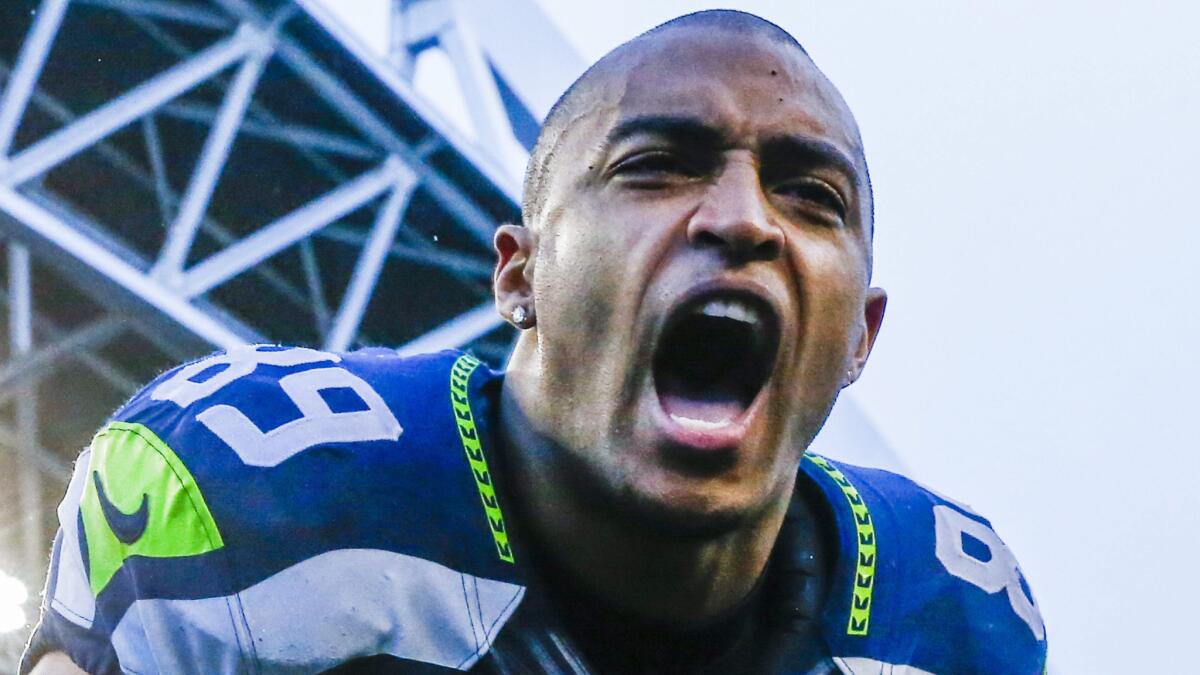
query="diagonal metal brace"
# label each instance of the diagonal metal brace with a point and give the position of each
(39, 363)
(87, 130)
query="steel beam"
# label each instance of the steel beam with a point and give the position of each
(356, 112)
(283, 132)
(48, 462)
(316, 290)
(114, 376)
(175, 11)
(461, 207)
(370, 264)
(492, 127)
(208, 167)
(472, 269)
(539, 70)
(257, 112)
(158, 184)
(20, 328)
(92, 127)
(456, 332)
(418, 22)
(27, 69)
(45, 225)
(397, 54)
(289, 229)
(508, 183)
(162, 188)
(30, 366)
(119, 379)
(122, 162)
(20, 299)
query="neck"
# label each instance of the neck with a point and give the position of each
(674, 581)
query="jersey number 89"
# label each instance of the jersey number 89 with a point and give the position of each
(318, 422)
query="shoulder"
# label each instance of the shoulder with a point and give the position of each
(336, 480)
(258, 444)
(265, 406)
(923, 580)
(288, 395)
(270, 433)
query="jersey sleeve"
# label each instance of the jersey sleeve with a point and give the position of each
(68, 606)
(926, 583)
(131, 501)
(275, 508)
(999, 623)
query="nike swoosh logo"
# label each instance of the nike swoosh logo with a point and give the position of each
(128, 527)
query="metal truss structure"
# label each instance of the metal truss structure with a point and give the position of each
(182, 176)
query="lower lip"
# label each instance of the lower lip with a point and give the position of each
(708, 438)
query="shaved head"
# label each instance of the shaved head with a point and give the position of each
(706, 163)
(576, 100)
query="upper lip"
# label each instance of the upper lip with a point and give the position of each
(748, 292)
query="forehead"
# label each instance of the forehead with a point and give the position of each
(747, 84)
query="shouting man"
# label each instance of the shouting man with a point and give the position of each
(632, 495)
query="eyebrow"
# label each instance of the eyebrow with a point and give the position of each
(809, 150)
(693, 131)
(678, 129)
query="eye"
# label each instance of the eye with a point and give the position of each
(653, 166)
(814, 191)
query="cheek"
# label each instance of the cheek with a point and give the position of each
(600, 259)
(575, 282)
(831, 283)
(578, 290)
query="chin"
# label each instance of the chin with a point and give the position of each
(688, 507)
(678, 519)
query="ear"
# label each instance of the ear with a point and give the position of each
(873, 310)
(512, 281)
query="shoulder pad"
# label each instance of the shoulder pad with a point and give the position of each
(246, 489)
(922, 581)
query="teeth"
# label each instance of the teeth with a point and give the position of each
(704, 425)
(731, 309)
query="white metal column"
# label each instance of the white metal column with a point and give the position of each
(20, 329)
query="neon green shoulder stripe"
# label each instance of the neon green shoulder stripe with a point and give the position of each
(864, 573)
(140, 499)
(460, 374)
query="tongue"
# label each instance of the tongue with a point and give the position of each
(714, 412)
(715, 406)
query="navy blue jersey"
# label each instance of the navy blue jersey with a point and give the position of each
(286, 510)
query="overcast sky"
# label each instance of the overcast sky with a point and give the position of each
(1035, 173)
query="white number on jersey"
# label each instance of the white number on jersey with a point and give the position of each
(318, 422)
(999, 572)
(239, 362)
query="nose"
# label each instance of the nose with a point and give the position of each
(733, 218)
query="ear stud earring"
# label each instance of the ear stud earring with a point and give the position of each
(519, 316)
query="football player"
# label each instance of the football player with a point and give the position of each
(631, 495)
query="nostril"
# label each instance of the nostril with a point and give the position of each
(768, 250)
(707, 238)
(743, 248)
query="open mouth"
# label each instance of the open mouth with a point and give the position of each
(714, 356)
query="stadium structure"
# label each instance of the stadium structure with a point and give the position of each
(183, 176)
